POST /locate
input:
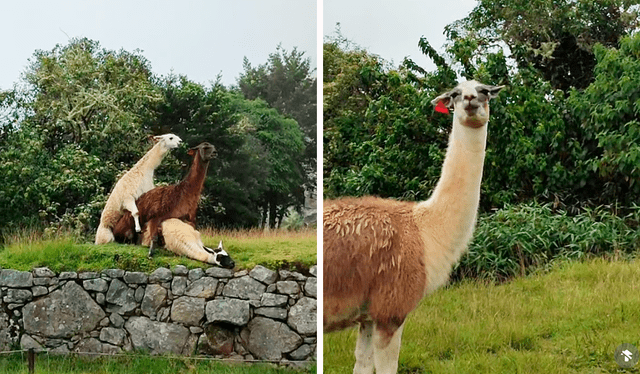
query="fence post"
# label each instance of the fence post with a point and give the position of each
(32, 361)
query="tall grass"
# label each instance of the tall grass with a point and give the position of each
(519, 239)
(568, 320)
(65, 252)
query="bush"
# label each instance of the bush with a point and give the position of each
(518, 239)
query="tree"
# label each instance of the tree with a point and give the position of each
(286, 82)
(556, 37)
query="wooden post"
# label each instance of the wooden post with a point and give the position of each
(32, 361)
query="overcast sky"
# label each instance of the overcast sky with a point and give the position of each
(391, 29)
(197, 38)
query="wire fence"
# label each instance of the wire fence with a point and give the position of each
(31, 357)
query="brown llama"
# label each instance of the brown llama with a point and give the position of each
(381, 256)
(174, 201)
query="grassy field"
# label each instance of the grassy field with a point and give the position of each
(17, 364)
(567, 320)
(273, 249)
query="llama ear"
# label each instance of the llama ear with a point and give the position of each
(443, 102)
(192, 151)
(154, 139)
(492, 90)
(220, 245)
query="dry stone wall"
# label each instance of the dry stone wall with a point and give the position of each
(248, 315)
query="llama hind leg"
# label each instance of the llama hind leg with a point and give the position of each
(364, 349)
(386, 347)
(130, 205)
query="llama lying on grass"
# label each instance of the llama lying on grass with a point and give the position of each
(382, 256)
(181, 238)
(164, 202)
(135, 182)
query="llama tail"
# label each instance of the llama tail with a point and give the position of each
(104, 235)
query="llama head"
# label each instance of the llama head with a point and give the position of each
(168, 141)
(470, 102)
(220, 257)
(205, 150)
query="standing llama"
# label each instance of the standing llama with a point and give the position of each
(135, 182)
(182, 239)
(174, 201)
(381, 257)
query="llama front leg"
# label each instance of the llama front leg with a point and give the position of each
(364, 349)
(130, 205)
(386, 350)
(152, 232)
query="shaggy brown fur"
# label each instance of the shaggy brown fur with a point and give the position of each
(164, 202)
(379, 270)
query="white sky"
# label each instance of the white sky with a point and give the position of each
(196, 38)
(391, 29)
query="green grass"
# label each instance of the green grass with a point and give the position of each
(567, 320)
(135, 364)
(247, 248)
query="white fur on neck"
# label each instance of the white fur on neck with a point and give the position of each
(447, 219)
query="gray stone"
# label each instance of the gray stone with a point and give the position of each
(180, 270)
(158, 337)
(301, 353)
(114, 273)
(272, 312)
(116, 320)
(44, 281)
(270, 340)
(63, 313)
(98, 285)
(43, 272)
(288, 287)
(135, 277)
(61, 350)
(187, 310)
(164, 313)
(39, 291)
(236, 312)
(314, 270)
(178, 285)
(195, 274)
(241, 273)
(244, 288)
(105, 322)
(110, 349)
(196, 329)
(100, 298)
(68, 275)
(6, 340)
(311, 287)
(160, 275)
(121, 295)
(15, 278)
(17, 296)
(271, 288)
(113, 336)
(154, 297)
(88, 345)
(303, 316)
(217, 272)
(264, 275)
(88, 275)
(272, 299)
(27, 342)
(204, 287)
(139, 294)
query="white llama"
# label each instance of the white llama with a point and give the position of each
(381, 257)
(135, 182)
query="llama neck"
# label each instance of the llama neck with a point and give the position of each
(152, 159)
(195, 178)
(450, 213)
